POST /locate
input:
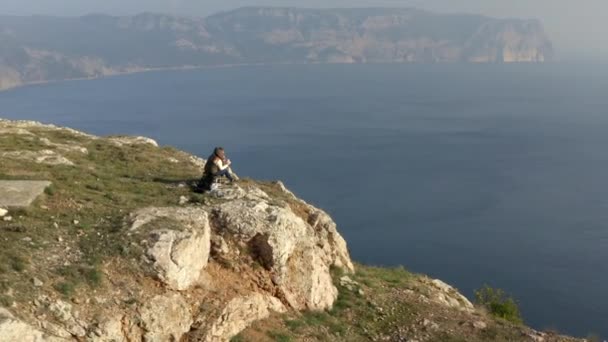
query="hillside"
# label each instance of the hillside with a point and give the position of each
(38, 49)
(102, 239)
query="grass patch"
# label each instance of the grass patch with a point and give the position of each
(280, 336)
(499, 304)
(66, 288)
(294, 324)
(238, 338)
(380, 276)
(103, 187)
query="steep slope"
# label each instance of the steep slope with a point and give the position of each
(37, 49)
(118, 248)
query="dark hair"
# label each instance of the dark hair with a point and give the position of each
(219, 152)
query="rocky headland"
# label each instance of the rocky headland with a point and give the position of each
(41, 49)
(102, 239)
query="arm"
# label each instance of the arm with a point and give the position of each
(220, 164)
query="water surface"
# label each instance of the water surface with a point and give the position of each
(473, 174)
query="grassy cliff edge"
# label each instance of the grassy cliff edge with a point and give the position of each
(85, 252)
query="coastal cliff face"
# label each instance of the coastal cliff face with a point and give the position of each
(38, 49)
(114, 246)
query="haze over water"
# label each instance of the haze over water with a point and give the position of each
(473, 174)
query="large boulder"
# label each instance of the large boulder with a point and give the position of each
(178, 256)
(298, 254)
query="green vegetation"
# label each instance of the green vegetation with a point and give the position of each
(379, 276)
(83, 215)
(65, 288)
(238, 338)
(280, 336)
(386, 304)
(499, 304)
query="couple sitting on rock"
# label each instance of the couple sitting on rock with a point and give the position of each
(217, 166)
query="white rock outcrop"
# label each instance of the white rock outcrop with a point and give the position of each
(65, 147)
(297, 253)
(165, 318)
(178, 256)
(121, 141)
(26, 127)
(239, 313)
(446, 295)
(48, 157)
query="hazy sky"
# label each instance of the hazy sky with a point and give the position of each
(578, 28)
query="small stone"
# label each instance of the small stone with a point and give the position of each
(76, 222)
(3, 212)
(361, 293)
(480, 325)
(55, 225)
(44, 207)
(7, 218)
(76, 300)
(27, 239)
(60, 239)
(183, 200)
(37, 282)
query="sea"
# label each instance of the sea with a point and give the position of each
(474, 174)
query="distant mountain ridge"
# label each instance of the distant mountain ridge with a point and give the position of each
(39, 49)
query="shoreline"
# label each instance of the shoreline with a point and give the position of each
(130, 72)
(237, 65)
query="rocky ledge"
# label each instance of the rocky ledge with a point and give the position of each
(119, 249)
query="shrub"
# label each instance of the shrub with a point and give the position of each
(65, 288)
(18, 263)
(499, 304)
(49, 190)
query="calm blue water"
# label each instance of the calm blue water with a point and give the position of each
(473, 174)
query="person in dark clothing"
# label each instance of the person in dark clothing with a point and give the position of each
(217, 165)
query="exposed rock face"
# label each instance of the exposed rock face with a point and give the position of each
(298, 254)
(178, 256)
(166, 318)
(240, 313)
(32, 53)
